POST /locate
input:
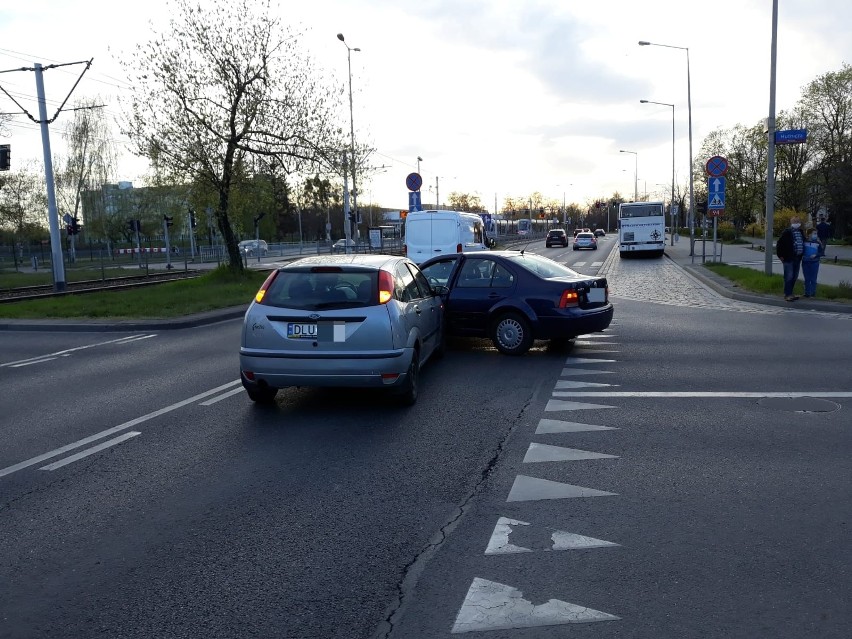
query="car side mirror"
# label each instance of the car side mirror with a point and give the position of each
(441, 290)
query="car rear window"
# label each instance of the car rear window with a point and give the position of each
(542, 266)
(318, 289)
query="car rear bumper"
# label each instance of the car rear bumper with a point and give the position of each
(567, 326)
(373, 370)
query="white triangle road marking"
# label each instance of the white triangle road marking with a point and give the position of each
(537, 453)
(546, 426)
(499, 542)
(583, 371)
(528, 488)
(493, 606)
(560, 404)
(569, 383)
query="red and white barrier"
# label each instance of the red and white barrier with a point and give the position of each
(156, 249)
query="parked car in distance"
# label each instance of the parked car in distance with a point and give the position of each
(600, 233)
(365, 321)
(340, 245)
(556, 236)
(252, 248)
(585, 241)
(516, 297)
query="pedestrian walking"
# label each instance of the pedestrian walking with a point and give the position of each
(789, 249)
(810, 261)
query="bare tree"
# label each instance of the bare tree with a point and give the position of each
(225, 82)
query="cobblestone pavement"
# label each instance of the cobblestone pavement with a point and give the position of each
(661, 281)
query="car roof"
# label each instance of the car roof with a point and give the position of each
(366, 260)
(585, 233)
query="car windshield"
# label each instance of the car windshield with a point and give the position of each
(542, 266)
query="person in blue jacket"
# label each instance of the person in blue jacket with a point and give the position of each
(810, 261)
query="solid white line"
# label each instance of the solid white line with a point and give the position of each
(90, 451)
(138, 339)
(35, 361)
(111, 431)
(70, 350)
(731, 394)
(235, 391)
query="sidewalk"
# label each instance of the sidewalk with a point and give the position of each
(752, 256)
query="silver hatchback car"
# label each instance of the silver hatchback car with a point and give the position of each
(366, 321)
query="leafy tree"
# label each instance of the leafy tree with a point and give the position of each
(225, 83)
(465, 202)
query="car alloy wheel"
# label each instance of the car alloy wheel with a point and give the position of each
(512, 334)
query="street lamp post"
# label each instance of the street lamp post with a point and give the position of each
(671, 201)
(419, 160)
(349, 51)
(643, 43)
(635, 173)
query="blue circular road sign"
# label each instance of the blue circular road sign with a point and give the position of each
(717, 166)
(413, 181)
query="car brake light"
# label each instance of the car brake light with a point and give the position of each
(385, 287)
(265, 287)
(569, 298)
(459, 248)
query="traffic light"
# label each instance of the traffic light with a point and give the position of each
(169, 220)
(74, 226)
(701, 208)
(192, 221)
(403, 215)
(5, 156)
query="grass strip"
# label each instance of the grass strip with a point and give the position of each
(755, 281)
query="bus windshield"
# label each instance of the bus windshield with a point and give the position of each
(640, 210)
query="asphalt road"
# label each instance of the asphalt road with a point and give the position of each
(720, 510)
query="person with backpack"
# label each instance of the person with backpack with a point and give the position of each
(789, 249)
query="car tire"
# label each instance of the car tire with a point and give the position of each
(512, 334)
(408, 392)
(260, 395)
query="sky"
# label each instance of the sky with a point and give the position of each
(500, 98)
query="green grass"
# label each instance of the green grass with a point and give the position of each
(9, 278)
(758, 282)
(217, 289)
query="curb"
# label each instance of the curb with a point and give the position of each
(727, 288)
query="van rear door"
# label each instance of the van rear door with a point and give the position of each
(427, 237)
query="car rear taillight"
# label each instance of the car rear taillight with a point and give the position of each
(385, 287)
(569, 298)
(265, 287)
(459, 248)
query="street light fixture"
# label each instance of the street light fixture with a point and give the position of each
(419, 160)
(671, 202)
(349, 51)
(635, 173)
(643, 43)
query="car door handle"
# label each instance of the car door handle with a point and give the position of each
(417, 310)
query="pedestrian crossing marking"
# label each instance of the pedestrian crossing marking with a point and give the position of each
(562, 384)
(582, 371)
(588, 360)
(489, 605)
(549, 426)
(528, 488)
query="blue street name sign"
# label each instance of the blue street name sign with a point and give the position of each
(414, 201)
(716, 193)
(791, 136)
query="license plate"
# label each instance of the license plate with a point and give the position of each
(301, 331)
(596, 295)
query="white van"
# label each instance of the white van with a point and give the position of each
(431, 233)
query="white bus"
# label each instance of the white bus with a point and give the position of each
(641, 228)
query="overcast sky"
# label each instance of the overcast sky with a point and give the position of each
(499, 97)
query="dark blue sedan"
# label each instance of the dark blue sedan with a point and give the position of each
(515, 297)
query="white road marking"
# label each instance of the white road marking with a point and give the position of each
(137, 339)
(568, 383)
(532, 489)
(583, 371)
(703, 394)
(579, 264)
(597, 263)
(493, 606)
(546, 426)
(35, 361)
(91, 451)
(111, 431)
(234, 391)
(585, 342)
(559, 404)
(587, 360)
(600, 335)
(73, 350)
(499, 542)
(537, 453)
